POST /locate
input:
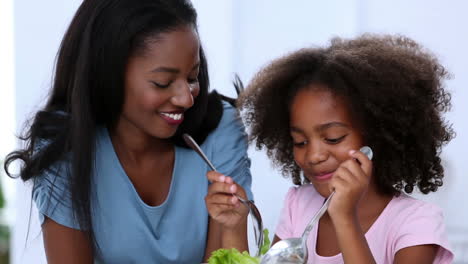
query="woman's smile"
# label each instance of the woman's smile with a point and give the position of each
(173, 118)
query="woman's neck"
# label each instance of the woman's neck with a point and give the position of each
(134, 144)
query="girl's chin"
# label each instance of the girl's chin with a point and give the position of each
(324, 193)
(322, 189)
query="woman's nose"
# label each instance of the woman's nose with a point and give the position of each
(183, 96)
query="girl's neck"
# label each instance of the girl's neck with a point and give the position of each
(372, 205)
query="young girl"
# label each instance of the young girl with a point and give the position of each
(113, 180)
(313, 109)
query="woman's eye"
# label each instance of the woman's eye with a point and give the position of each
(192, 80)
(160, 85)
(335, 140)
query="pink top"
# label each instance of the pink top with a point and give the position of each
(405, 222)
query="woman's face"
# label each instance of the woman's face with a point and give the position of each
(323, 133)
(161, 83)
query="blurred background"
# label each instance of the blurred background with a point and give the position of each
(239, 37)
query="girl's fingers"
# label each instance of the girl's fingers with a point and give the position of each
(339, 181)
(364, 161)
(347, 172)
(356, 174)
(359, 166)
(344, 175)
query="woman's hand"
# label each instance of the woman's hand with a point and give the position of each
(350, 182)
(223, 206)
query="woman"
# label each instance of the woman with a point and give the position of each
(113, 181)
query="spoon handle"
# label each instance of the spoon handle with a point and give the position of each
(192, 144)
(317, 216)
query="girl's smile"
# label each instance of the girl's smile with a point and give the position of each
(323, 177)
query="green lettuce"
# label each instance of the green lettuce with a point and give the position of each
(266, 242)
(233, 256)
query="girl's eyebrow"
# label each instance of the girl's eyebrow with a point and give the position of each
(321, 127)
(331, 124)
(295, 129)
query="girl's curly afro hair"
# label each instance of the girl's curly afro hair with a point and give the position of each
(393, 86)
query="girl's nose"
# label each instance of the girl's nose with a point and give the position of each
(183, 96)
(315, 155)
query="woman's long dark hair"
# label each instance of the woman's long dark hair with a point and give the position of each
(88, 90)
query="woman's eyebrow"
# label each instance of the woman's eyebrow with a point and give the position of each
(172, 70)
(166, 69)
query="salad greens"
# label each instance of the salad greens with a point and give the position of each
(266, 242)
(233, 256)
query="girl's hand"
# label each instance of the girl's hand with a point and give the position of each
(350, 182)
(222, 205)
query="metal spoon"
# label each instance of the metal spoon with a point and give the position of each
(294, 250)
(253, 210)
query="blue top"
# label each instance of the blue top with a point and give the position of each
(130, 231)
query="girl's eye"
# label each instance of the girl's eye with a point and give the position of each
(335, 140)
(160, 85)
(299, 144)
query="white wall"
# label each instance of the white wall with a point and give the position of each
(7, 107)
(38, 27)
(240, 36)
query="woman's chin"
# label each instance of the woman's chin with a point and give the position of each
(165, 133)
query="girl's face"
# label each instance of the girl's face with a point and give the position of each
(323, 133)
(161, 83)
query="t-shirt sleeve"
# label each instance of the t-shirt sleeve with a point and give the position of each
(284, 229)
(52, 196)
(424, 225)
(230, 149)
